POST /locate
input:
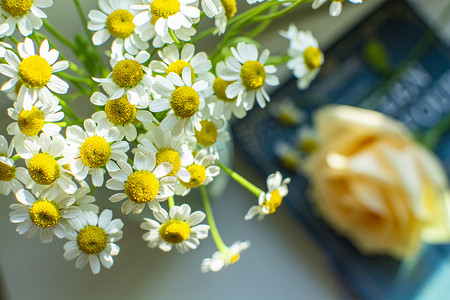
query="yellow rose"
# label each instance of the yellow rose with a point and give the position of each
(375, 185)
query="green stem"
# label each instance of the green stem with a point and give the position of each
(221, 246)
(174, 38)
(58, 35)
(83, 19)
(171, 201)
(241, 180)
(15, 157)
(278, 60)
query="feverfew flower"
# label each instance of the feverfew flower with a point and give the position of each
(224, 258)
(92, 149)
(306, 56)
(290, 157)
(213, 131)
(169, 15)
(183, 98)
(307, 139)
(35, 71)
(121, 114)
(287, 112)
(116, 19)
(128, 77)
(249, 75)
(12, 178)
(175, 61)
(177, 228)
(94, 240)
(25, 14)
(202, 172)
(335, 6)
(48, 216)
(147, 185)
(270, 201)
(44, 166)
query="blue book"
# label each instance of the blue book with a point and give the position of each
(393, 63)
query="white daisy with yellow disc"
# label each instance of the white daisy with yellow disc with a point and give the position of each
(46, 216)
(249, 75)
(92, 149)
(289, 156)
(30, 123)
(129, 77)
(12, 178)
(168, 149)
(175, 61)
(178, 228)
(167, 15)
(183, 98)
(224, 258)
(121, 114)
(93, 240)
(306, 56)
(213, 132)
(35, 72)
(26, 15)
(270, 201)
(46, 169)
(149, 184)
(202, 172)
(116, 19)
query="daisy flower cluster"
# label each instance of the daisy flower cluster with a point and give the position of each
(160, 111)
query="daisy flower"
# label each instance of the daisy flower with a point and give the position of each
(92, 149)
(224, 258)
(213, 131)
(31, 122)
(167, 15)
(177, 228)
(148, 184)
(287, 112)
(48, 216)
(249, 75)
(290, 157)
(183, 98)
(306, 56)
(12, 178)
(116, 19)
(35, 71)
(26, 15)
(202, 172)
(307, 139)
(228, 11)
(128, 77)
(175, 61)
(224, 106)
(44, 166)
(270, 201)
(335, 6)
(121, 114)
(168, 149)
(93, 240)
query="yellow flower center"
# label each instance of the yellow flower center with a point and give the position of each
(95, 152)
(174, 231)
(142, 187)
(230, 8)
(35, 71)
(30, 121)
(16, 8)
(45, 213)
(207, 136)
(219, 87)
(308, 145)
(164, 8)
(178, 66)
(313, 58)
(127, 73)
(7, 173)
(198, 176)
(92, 240)
(253, 75)
(234, 258)
(43, 169)
(274, 201)
(120, 111)
(120, 23)
(185, 102)
(171, 156)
